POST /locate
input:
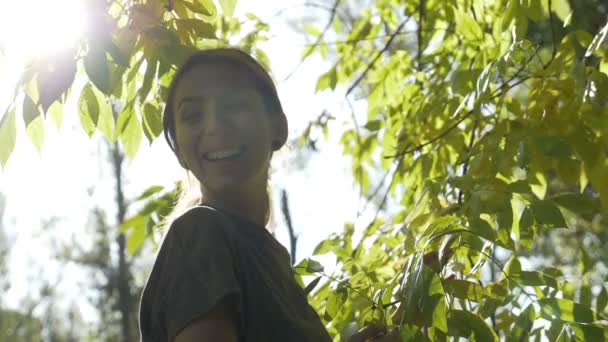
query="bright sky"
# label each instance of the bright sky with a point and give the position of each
(71, 174)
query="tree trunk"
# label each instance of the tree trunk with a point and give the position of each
(124, 294)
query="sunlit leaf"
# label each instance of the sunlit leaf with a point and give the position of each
(96, 66)
(105, 123)
(88, 107)
(467, 26)
(307, 267)
(524, 231)
(466, 324)
(200, 28)
(335, 300)
(327, 80)
(597, 41)
(149, 77)
(131, 135)
(34, 122)
(547, 213)
(465, 289)
(311, 286)
(565, 310)
(137, 235)
(8, 135)
(523, 324)
(228, 7)
(55, 79)
(602, 300)
(55, 112)
(153, 124)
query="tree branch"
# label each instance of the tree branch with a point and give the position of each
(371, 64)
(320, 38)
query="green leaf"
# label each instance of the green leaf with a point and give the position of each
(467, 26)
(326, 246)
(554, 147)
(8, 135)
(149, 77)
(482, 228)
(89, 109)
(308, 267)
(228, 7)
(597, 41)
(311, 286)
(466, 324)
(176, 54)
(105, 122)
(373, 125)
(509, 14)
(34, 122)
(547, 213)
(524, 231)
(131, 136)
(35, 131)
(565, 310)
(138, 234)
(586, 264)
(483, 81)
(55, 112)
(589, 332)
(204, 7)
(535, 10)
(534, 278)
(521, 327)
(513, 266)
(601, 301)
(153, 121)
(96, 67)
(149, 192)
(465, 289)
(55, 80)
(439, 312)
(200, 28)
(335, 300)
(327, 80)
(577, 203)
(30, 110)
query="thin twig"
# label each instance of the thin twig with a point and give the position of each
(421, 9)
(320, 37)
(465, 167)
(551, 22)
(371, 64)
(358, 137)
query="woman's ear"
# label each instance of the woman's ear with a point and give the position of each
(280, 128)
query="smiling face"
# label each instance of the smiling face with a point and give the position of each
(223, 128)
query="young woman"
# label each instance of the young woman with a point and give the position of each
(219, 274)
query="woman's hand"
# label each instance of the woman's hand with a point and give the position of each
(375, 333)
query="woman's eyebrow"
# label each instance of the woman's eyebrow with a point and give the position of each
(187, 99)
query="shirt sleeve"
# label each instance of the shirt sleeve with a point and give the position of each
(198, 268)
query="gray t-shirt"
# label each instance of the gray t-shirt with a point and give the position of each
(209, 254)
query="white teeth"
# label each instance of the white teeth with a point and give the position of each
(222, 154)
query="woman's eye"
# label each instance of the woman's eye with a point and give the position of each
(192, 116)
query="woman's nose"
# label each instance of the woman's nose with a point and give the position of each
(212, 122)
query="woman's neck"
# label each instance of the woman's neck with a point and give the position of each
(251, 205)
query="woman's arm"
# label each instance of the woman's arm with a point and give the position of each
(219, 324)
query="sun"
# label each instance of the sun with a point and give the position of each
(33, 28)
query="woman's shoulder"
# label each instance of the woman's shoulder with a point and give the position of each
(200, 222)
